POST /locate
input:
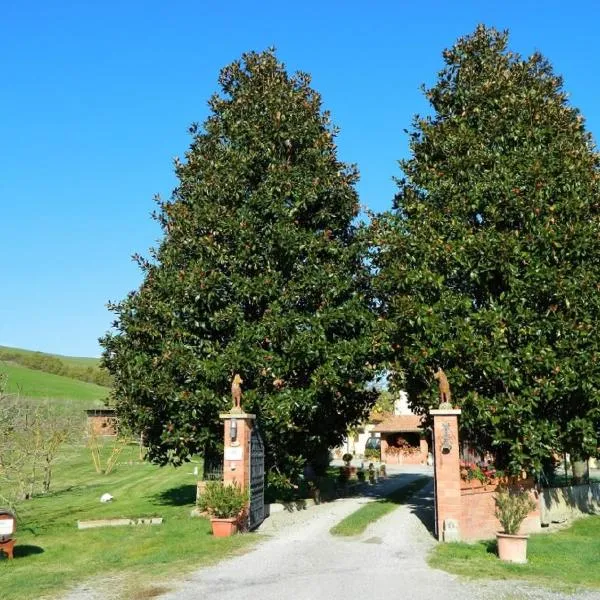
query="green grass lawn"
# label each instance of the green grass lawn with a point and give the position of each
(52, 554)
(565, 560)
(31, 383)
(358, 521)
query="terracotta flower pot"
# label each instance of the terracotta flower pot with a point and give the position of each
(512, 548)
(223, 527)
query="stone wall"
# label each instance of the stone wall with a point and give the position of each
(561, 504)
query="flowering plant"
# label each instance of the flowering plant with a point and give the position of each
(402, 447)
(482, 472)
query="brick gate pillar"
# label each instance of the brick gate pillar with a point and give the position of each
(447, 473)
(236, 456)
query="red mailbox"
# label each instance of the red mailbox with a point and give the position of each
(8, 525)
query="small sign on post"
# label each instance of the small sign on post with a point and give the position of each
(234, 453)
(8, 525)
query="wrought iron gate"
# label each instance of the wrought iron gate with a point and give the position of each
(257, 479)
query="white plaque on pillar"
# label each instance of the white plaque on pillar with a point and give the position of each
(234, 453)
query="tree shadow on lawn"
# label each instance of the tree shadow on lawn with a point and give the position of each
(24, 550)
(177, 496)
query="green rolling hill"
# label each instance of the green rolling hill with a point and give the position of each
(29, 375)
(30, 383)
(73, 361)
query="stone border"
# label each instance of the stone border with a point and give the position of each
(92, 524)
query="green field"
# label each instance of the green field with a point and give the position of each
(30, 383)
(52, 555)
(76, 361)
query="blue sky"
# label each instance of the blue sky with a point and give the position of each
(97, 98)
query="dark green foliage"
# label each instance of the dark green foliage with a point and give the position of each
(260, 272)
(490, 264)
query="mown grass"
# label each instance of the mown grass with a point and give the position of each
(566, 560)
(360, 519)
(52, 554)
(31, 383)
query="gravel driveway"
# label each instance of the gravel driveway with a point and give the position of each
(302, 561)
(298, 559)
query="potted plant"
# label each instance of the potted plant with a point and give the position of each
(225, 504)
(512, 507)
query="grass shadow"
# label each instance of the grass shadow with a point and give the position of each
(24, 550)
(491, 546)
(177, 496)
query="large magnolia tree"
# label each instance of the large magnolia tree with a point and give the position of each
(489, 264)
(260, 272)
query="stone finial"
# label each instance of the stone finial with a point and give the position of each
(445, 396)
(236, 393)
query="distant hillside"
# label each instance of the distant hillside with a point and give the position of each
(30, 383)
(76, 361)
(80, 368)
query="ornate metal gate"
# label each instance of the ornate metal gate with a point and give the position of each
(257, 479)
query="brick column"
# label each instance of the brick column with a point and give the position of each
(447, 473)
(236, 457)
(423, 450)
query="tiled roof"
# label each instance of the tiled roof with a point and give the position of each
(399, 423)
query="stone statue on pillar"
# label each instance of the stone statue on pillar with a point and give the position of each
(236, 393)
(445, 396)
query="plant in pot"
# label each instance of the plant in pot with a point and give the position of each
(512, 507)
(225, 504)
(347, 458)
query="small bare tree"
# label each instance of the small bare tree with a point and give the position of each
(31, 436)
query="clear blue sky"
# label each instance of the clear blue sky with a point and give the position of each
(97, 96)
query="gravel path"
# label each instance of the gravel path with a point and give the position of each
(304, 562)
(300, 560)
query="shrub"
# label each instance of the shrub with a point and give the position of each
(280, 488)
(373, 453)
(512, 506)
(344, 475)
(223, 501)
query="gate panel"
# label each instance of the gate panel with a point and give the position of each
(257, 479)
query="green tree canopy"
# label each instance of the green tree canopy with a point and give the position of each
(489, 264)
(260, 272)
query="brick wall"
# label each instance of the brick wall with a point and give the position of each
(102, 424)
(417, 458)
(478, 520)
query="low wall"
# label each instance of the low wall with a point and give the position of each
(478, 520)
(561, 504)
